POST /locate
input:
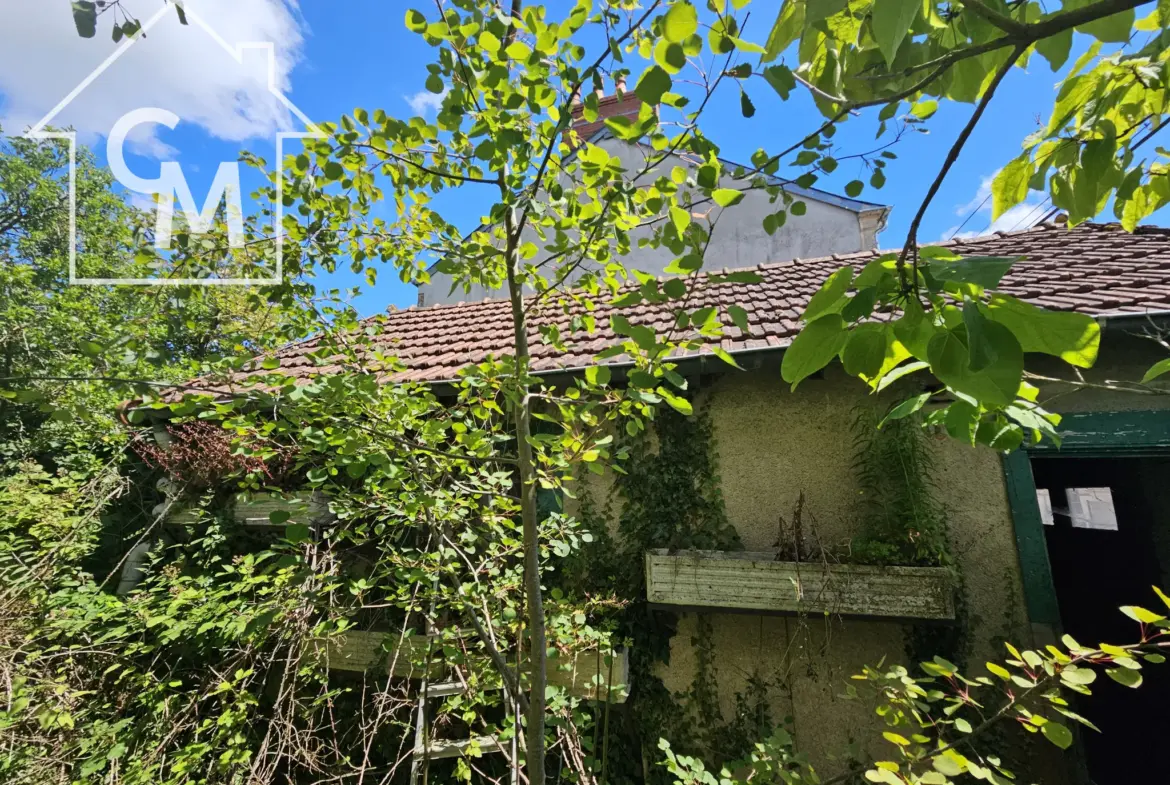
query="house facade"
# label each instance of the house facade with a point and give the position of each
(1040, 542)
(1024, 541)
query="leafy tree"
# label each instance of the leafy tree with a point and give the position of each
(67, 345)
(953, 324)
(563, 217)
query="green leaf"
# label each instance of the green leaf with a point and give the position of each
(681, 22)
(643, 380)
(786, 29)
(1058, 734)
(892, 19)
(961, 422)
(895, 738)
(91, 348)
(982, 271)
(865, 350)
(1141, 614)
(415, 21)
(746, 107)
(653, 83)
(853, 188)
(999, 671)
(488, 41)
(1113, 29)
(1073, 337)
(831, 295)
(979, 349)
(727, 197)
(914, 329)
(670, 56)
(781, 80)
(1126, 676)
(898, 372)
(1010, 186)
(997, 383)
(85, 18)
(1156, 370)
(1055, 49)
(906, 408)
(297, 533)
(277, 517)
(598, 374)
(675, 288)
(1080, 676)
(814, 348)
(947, 766)
(924, 109)
(737, 276)
(680, 405)
(725, 357)
(739, 317)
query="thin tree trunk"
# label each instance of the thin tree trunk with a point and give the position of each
(526, 470)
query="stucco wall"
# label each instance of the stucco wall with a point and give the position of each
(738, 240)
(1126, 354)
(772, 444)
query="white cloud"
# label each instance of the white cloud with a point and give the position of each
(424, 102)
(1022, 216)
(175, 67)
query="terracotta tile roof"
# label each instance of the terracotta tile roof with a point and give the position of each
(1094, 269)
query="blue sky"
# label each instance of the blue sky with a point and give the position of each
(335, 56)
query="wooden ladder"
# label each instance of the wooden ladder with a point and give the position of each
(426, 749)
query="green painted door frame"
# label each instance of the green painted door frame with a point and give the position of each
(1084, 435)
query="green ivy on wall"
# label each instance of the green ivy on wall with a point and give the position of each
(669, 495)
(903, 522)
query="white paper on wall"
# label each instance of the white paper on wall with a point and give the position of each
(1091, 508)
(1044, 499)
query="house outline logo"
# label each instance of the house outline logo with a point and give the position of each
(237, 52)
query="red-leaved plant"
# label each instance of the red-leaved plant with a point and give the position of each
(202, 454)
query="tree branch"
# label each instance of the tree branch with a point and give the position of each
(952, 156)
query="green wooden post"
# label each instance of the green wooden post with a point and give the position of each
(1039, 590)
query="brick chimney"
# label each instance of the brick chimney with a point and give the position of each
(620, 104)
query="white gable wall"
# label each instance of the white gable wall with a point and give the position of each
(739, 239)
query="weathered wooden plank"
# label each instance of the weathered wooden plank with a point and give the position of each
(455, 748)
(756, 581)
(303, 507)
(588, 674)
(359, 651)
(254, 509)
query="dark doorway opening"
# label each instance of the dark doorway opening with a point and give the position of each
(1107, 529)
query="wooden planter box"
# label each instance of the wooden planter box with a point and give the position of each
(253, 509)
(757, 582)
(585, 675)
